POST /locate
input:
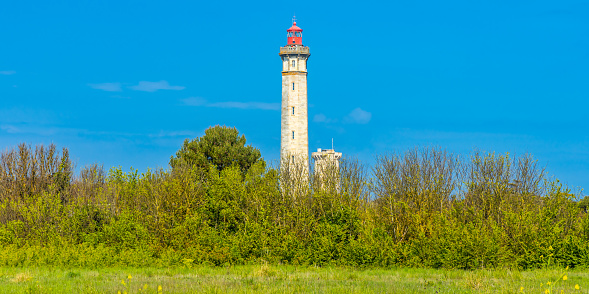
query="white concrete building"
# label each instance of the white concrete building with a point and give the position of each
(326, 163)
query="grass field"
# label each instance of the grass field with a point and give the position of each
(287, 279)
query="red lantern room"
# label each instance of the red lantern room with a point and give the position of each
(294, 35)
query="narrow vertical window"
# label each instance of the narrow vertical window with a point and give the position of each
(293, 86)
(293, 63)
(293, 135)
(293, 110)
(293, 159)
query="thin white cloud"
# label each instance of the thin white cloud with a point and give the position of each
(10, 129)
(321, 118)
(154, 86)
(194, 101)
(7, 72)
(120, 97)
(109, 87)
(198, 101)
(26, 116)
(164, 134)
(247, 105)
(28, 129)
(358, 116)
(48, 130)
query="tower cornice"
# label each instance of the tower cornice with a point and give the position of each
(293, 73)
(294, 50)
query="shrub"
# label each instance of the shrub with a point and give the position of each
(425, 207)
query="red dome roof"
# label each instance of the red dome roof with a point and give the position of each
(294, 28)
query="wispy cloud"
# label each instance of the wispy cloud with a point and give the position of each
(10, 129)
(26, 116)
(321, 118)
(198, 101)
(7, 72)
(34, 129)
(120, 97)
(109, 87)
(52, 130)
(173, 134)
(154, 86)
(28, 121)
(194, 101)
(246, 105)
(358, 116)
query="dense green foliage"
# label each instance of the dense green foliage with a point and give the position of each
(422, 208)
(221, 146)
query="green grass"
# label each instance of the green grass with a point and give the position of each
(285, 279)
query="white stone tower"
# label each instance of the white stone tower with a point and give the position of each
(294, 139)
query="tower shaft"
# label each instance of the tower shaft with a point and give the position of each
(294, 142)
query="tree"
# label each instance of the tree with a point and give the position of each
(221, 146)
(584, 204)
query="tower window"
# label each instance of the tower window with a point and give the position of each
(293, 110)
(293, 86)
(293, 135)
(293, 159)
(293, 63)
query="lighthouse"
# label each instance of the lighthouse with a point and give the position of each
(294, 139)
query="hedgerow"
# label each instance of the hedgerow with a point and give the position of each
(421, 208)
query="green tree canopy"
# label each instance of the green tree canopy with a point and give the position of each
(221, 146)
(584, 204)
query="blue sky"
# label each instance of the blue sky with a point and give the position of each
(125, 82)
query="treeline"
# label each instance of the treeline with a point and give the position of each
(425, 207)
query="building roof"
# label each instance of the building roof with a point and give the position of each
(294, 28)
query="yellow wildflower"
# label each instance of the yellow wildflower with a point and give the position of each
(548, 283)
(145, 286)
(564, 278)
(129, 277)
(577, 286)
(159, 288)
(123, 282)
(521, 289)
(550, 248)
(119, 292)
(547, 291)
